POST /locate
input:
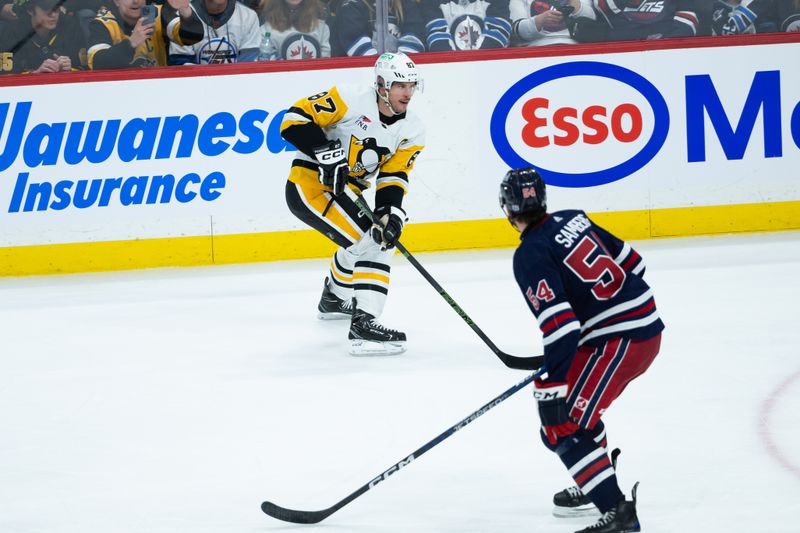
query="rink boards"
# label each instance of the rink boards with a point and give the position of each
(186, 166)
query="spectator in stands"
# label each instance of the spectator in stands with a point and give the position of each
(735, 17)
(466, 24)
(624, 20)
(294, 29)
(789, 15)
(85, 11)
(230, 35)
(543, 22)
(120, 37)
(45, 39)
(7, 14)
(352, 25)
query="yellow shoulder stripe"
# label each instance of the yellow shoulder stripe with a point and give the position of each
(402, 160)
(323, 109)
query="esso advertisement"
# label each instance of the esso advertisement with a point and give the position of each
(580, 124)
(586, 123)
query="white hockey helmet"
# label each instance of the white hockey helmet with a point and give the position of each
(394, 67)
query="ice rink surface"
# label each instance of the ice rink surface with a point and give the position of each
(176, 400)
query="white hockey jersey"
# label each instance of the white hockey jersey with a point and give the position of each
(228, 38)
(293, 44)
(385, 150)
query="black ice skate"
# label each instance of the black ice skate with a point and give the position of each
(621, 519)
(369, 337)
(571, 502)
(331, 307)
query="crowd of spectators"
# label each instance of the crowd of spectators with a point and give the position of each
(38, 36)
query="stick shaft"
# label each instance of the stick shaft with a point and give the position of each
(313, 517)
(511, 361)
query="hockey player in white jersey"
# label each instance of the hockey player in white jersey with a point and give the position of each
(346, 137)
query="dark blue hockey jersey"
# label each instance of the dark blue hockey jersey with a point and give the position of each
(649, 19)
(584, 285)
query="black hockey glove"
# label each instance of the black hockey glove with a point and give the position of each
(388, 226)
(333, 169)
(552, 400)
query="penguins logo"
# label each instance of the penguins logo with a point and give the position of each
(365, 156)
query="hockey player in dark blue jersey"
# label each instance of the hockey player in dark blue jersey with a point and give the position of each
(600, 330)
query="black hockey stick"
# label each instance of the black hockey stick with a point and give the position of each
(511, 361)
(313, 517)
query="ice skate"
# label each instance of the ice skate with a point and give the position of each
(621, 519)
(331, 307)
(369, 337)
(572, 503)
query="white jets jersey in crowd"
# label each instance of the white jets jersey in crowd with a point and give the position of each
(385, 147)
(230, 37)
(466, 24)
(293, 44)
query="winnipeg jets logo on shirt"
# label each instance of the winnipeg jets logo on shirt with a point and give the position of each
(644, 11)
(216, 51)
(301, 46)
(468, 33)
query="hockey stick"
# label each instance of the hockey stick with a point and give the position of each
(313, 517)
(511, 361)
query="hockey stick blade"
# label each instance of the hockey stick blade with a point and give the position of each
(511, 361)
(296, 517)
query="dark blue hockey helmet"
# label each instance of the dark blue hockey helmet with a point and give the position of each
(523, 191)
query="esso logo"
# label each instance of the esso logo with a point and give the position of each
(591, 125)
(581, 124)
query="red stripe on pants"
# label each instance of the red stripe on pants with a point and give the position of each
(637, 360)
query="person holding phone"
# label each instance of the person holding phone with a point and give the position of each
(544, 22)
(133, 34)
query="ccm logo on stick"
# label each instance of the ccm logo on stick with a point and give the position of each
(581, 124)
(391, 471)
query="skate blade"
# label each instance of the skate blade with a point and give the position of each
(576, 512)
(334, 316)
(362, 348)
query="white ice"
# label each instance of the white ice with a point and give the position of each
(176, 400)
